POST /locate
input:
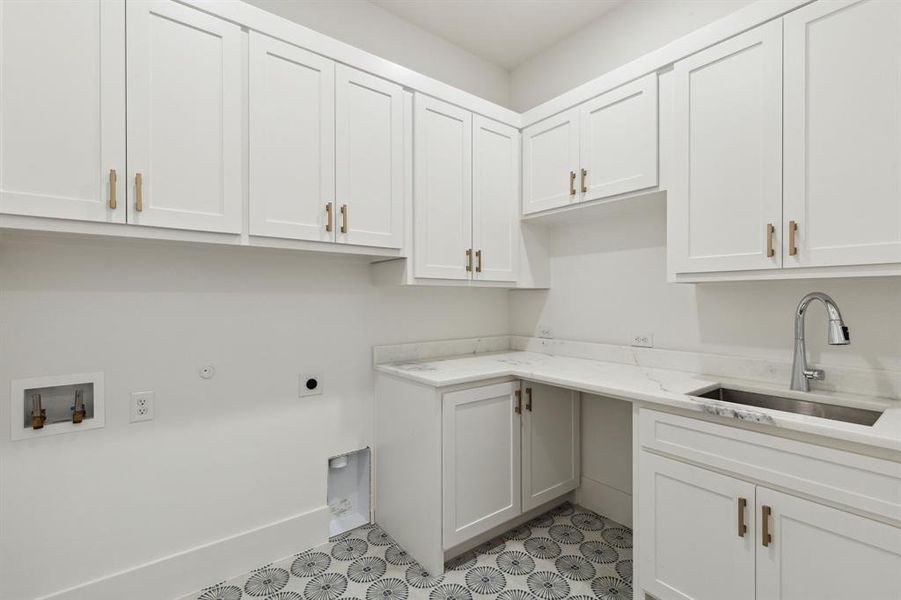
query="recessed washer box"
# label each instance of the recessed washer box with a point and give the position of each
(57, 399)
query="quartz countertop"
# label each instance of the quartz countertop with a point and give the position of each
(658, 386)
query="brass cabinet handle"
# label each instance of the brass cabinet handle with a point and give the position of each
(478, 261)
(766, 537)
(529, 399)
(329, 217)
(469, 259)
(572, 183)
(112, 189)
(139, 192)
(770, 232)
(742, 528)
(343, 218)
(792, 238)
(517, 407)
(584, 185)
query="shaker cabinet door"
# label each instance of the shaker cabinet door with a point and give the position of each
(62, 109)
(550, 162)
(185, 112)
(843, 133)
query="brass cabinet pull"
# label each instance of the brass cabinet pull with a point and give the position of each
(343, 218)
(112, 189)
(742, 528)
(770, 231)
(766, 537)
(584, 185)
(517, 407)
(329, 217)
(139, 192)
(529, 399)
(478, 261)
(469, 259)
(572, 183)
(792, 238)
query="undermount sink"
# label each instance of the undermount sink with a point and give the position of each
(860, 416)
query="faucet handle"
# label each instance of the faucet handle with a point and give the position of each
(817, 374)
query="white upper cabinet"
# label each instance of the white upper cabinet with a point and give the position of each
(495, 200)
(185, 113)
(810, 547)
(618, 141)
(62, 109)
(369, 164)
(442, 184)
(292, 142)
(843, 133)
(551, 447)
(725, 205)
(550, 162)
(481, 460)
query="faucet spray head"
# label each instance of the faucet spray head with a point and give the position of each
(839, 335)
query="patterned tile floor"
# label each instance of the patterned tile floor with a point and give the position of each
(569, 552)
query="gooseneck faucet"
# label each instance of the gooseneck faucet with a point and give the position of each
(838, 336)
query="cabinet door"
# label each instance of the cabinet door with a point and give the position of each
(369, 167)
(824, 553)
(495, 200)
(550, 443)
(442, 208)
(843, 132)
(185, 110)
(618, 143)
(481, 460)
(62, 109)
(727, 180)
(693, 547)
(550, 162)
(292, 142)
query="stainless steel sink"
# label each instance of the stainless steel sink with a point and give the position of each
(860, 416)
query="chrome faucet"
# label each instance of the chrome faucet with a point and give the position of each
(838, 336)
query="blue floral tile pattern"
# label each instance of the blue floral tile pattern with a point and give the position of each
(568, 553)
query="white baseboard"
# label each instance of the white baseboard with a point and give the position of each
(188, 571)
(605, 500)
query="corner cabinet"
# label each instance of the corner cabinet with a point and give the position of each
(483, 456)
(603, 148)
(707, 535)
(466, 195)
(788, 149)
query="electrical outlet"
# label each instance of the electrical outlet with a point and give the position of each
(142, 406)
(545, 331)
(643, 340)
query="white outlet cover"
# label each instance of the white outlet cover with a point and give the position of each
(309, 384)
(643, 340)
(142, 406)
(545, 331)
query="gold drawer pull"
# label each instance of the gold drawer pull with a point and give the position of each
(770, 232)
(139, 192)
(529, 399)
(112, 189)
(517, 406)
(469, 259)
(572, 183)
(329, 217)
(742, 528)
(478, 261)
(766, 537)
(792, 238)
(343, 218)
(584, 185)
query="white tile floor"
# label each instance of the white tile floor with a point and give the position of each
(569, 552)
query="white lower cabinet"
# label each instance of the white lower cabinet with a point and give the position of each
(705, 535)
(507, 448)
(550, 443)
(481, 434)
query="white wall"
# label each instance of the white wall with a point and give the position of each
(374, 29)
(222, 456)
(628, 31)
(608, 282)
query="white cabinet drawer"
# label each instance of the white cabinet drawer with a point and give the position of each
(865, 483)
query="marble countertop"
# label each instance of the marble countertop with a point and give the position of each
(665, 387)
